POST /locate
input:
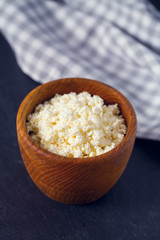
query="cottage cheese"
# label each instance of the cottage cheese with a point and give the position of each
(76, 125)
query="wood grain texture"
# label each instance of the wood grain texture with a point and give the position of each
(75, 180)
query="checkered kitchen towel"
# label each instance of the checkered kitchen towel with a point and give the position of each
(116, 42)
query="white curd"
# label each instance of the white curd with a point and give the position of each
(76, 125)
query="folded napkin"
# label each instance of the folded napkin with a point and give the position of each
(116, 42)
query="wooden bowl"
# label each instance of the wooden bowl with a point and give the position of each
(75, 180)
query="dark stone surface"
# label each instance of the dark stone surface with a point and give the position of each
(131, 210)
(156, 4)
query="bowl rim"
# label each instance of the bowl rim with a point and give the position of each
(32, 144)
